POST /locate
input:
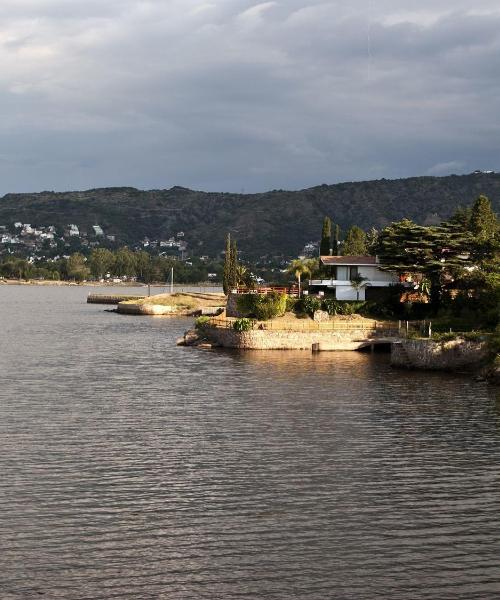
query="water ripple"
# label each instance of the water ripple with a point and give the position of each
(133, 469)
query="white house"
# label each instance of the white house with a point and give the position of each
(344, 269)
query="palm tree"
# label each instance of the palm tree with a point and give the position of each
(298, 268)
(357, 282)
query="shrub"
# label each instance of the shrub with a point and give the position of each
(262, 306)
(201, 322)
(245, 303)
(291, 303)
(331, 306)
(309, 305)
(342, 307)
(242, 324)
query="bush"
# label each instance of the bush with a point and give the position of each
(242, 324)
(309, 305)
(201, 322)
(291, 303)
(331, 306)
(262, 306)
(342, 307)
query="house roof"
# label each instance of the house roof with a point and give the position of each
(349, 260)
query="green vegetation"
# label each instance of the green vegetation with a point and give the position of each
(336, 307)
(301, 268)
(325, 246)
(458, 263)
(355, 242)
(242, 324)
(102, 262)
(262, 306)
(278, 222)
(201, 322)
(309, 305)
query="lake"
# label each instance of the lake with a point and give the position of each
(135, 469)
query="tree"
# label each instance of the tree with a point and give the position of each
(485, 229)
(371, 241)
(483, 221)
(230, 271)
(226, 274)
(100, 262)
(234, 265)
(124, 262)
(357, 282)
(144, 267)
(355, 242)
(76, 267)
(298, 268)
(325, 247)
(336, 240)
(438, 252)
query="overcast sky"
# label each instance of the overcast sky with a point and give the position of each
(232, 95)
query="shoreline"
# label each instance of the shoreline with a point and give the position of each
(59, 283)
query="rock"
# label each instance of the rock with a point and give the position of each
(191, 338)
(321, 316)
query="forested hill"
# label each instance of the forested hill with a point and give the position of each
(276, 222)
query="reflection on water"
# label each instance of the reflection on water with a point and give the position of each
(132, 468)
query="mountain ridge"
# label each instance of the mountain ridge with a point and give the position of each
(266, 223)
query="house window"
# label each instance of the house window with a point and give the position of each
(342, 273)
(353, 272)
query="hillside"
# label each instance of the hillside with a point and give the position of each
(276, 222)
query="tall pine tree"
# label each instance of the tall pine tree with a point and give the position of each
(438, 252)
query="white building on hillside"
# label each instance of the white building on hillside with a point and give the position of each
(345, 270)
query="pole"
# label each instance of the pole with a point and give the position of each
(172, 280)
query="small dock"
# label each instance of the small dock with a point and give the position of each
(111, 298)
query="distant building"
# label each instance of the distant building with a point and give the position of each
(98, 230)
(310, 249)
(73, 231)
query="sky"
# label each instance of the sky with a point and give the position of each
(245, 96)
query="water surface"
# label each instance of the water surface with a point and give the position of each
(135, 469)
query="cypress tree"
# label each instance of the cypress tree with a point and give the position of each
(326, 238)
(226, 273)
(336, 240)
(233, 270)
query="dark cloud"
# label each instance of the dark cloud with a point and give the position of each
(239, 94)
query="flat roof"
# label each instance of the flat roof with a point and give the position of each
(349, 260)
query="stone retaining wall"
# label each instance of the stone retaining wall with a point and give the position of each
(449, 356)
(256, 339)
